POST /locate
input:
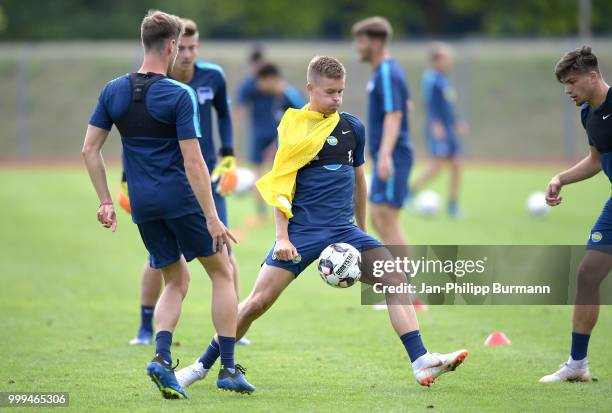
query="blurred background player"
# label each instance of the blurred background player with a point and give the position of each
(388, 137)
(442, 128)
(579, 72)
(208, 81)
(266, 94)
(319, 172)
(170, 192)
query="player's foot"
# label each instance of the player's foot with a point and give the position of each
(234, 381)
(143, 338)
(569, 372)
(455, 212)
(244, 342)
(437, 364)
(190, 374)
(162, 374)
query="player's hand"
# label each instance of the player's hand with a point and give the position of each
(107, 216)
(384, 167)
(438, 132)
(219, 233)
(553, 190)
(284, 250)
(225, 173)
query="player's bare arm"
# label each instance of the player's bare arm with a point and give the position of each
(92, 155)
(361, 195)
(391, 128)
(199, 179)
(585, 169)
(283, 248)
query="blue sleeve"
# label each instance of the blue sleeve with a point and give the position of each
(245, 92)
(390, 87)
(187, 115)
(359, 130)
(100, 117)
(584, 114)
(224, 117)
(294, 98)
(437, 105)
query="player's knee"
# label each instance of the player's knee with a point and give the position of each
(254, 306)
(588, 278)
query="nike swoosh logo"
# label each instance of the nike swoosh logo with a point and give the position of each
(344, 132)
(604, 118)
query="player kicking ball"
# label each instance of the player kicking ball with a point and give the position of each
(318, 189)
(170, 194)
(579, 72)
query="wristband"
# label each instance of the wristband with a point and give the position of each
(226, 152)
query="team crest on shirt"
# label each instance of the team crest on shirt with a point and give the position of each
(332, 140)
(596, 236)
(205, 93)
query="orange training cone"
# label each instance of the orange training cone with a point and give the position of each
(497, 338)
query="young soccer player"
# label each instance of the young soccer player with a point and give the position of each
(208, 81)
(169, 188)
(578, 71)
(318, 189)
(266, 94)
(442, 128)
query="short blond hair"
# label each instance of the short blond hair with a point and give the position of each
(325, 66)
(437, 49)
(376, 27)
(158, 27)
(191, 28)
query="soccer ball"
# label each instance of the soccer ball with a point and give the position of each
(340, 265)
(246, 181)
(427, 203)
(536, 204)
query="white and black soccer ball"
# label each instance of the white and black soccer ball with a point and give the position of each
(536, 204)
(427, 203)
(340, 265)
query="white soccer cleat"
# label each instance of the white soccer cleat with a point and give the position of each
(569, 372)
(437, 364)
(143, 338)
(190, 374)
(244, 342)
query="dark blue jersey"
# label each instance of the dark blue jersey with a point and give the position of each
(267, 110)
(209, 84)
(598, 125)
(388, 92)
(324, 190)
(439, 97)
(151, 122)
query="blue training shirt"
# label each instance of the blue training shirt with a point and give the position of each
(211, 91)
(154, 166)
(439, 97)
(388, 92)
(267, 110)
(324, 190)
(598, 125)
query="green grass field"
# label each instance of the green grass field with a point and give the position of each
(69, 305)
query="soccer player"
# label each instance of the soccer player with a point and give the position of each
(208, 81)
(388, 137)
(442, 128)
(267, 95)
(328, 206)
(170, 193)
(578, 71)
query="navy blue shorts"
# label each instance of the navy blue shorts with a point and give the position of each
(395, 190)
(600, 237)
(167, 239)
(220, 204)
(259, 147)
(443, 148)
(311, 241)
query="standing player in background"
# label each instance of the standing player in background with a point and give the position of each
(442, 128)
(578, 71)
(208, 81)
(388, 138)
(267, 95)
(318, 189)
(170, 193)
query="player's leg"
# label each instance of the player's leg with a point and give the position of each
(455, 180)
(150, 288)
(258, 159)
(432, 169)
(593, 269)
(165, 254)
(270, 283)
(426, 367)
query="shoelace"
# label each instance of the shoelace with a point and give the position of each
(241, 369)
(176, 365)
